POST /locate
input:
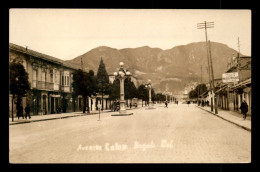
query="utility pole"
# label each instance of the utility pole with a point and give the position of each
(200, 83)
(213, 84)
(206, 25)
(201, 73)
(238, 46)
(238, 55)
(81, 64)
(238, 63)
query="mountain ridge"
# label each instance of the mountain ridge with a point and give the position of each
(173, 68)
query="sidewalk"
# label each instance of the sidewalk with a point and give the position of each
(37, 118)
(230, 116)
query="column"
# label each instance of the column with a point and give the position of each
(94, 104)
(89, 103)
(150, 97)
(239, 102)
(104, 103)
(122, 97)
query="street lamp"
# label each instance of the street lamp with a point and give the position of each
(149, 87)
(166, 93)
(122, 74)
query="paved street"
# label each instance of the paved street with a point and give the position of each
(178, 134)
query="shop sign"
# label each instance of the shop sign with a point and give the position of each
(230, 77)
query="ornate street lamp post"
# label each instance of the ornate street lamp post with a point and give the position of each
(149, 87)
(166, 93)
(171, 97)
(122, 74)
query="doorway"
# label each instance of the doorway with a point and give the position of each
(52, 105)
(44, 104)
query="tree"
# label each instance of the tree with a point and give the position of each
(84, 83)
(19, 84)
(193, 94)
(160, 97)
(115, 90)
(201, 88)
(142, 93)
(130, 89)
(102, 80)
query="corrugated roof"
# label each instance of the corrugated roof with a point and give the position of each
(43, 56)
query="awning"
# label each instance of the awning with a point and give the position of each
(221, 89)
(241, 84)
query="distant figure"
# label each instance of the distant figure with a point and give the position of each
(244, 109)
(188, 103)
(27, 110)
(177, 102)
(166, 104)
(130, 105)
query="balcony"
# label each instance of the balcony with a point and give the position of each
(66, 89)
(41, 85)
(232, 65)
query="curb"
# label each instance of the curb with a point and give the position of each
(122, 114)
(246, 128)
(62, 117)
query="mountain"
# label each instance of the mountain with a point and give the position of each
(172, 68)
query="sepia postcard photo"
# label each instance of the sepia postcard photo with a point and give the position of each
(129, 86)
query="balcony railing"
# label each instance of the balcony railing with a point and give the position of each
(65, 88)
(43, 85)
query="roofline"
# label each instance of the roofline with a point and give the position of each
(63, 63)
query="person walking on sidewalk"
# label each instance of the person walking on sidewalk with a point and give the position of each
(20, 111)
(27, 110)
(244, 108)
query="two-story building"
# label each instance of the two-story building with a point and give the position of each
(231, 94)
(50, 79)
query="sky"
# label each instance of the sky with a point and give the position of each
(68, 33)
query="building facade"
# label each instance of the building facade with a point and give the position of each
(50, 80)
(231, 94)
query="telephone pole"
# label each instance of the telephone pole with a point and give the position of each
(199, 85)
(206, 25)
(213, 84)
(238, 56)
(81, 64)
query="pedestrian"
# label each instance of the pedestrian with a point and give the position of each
(244, 109)
(27, 110)
(177, 102)
(130, 105)
(20, 111)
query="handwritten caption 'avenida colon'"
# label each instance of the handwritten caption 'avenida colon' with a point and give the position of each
(121, 147)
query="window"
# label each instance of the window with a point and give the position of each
(51, 76)
(34, 78)
(43, 76)
(62, 80)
